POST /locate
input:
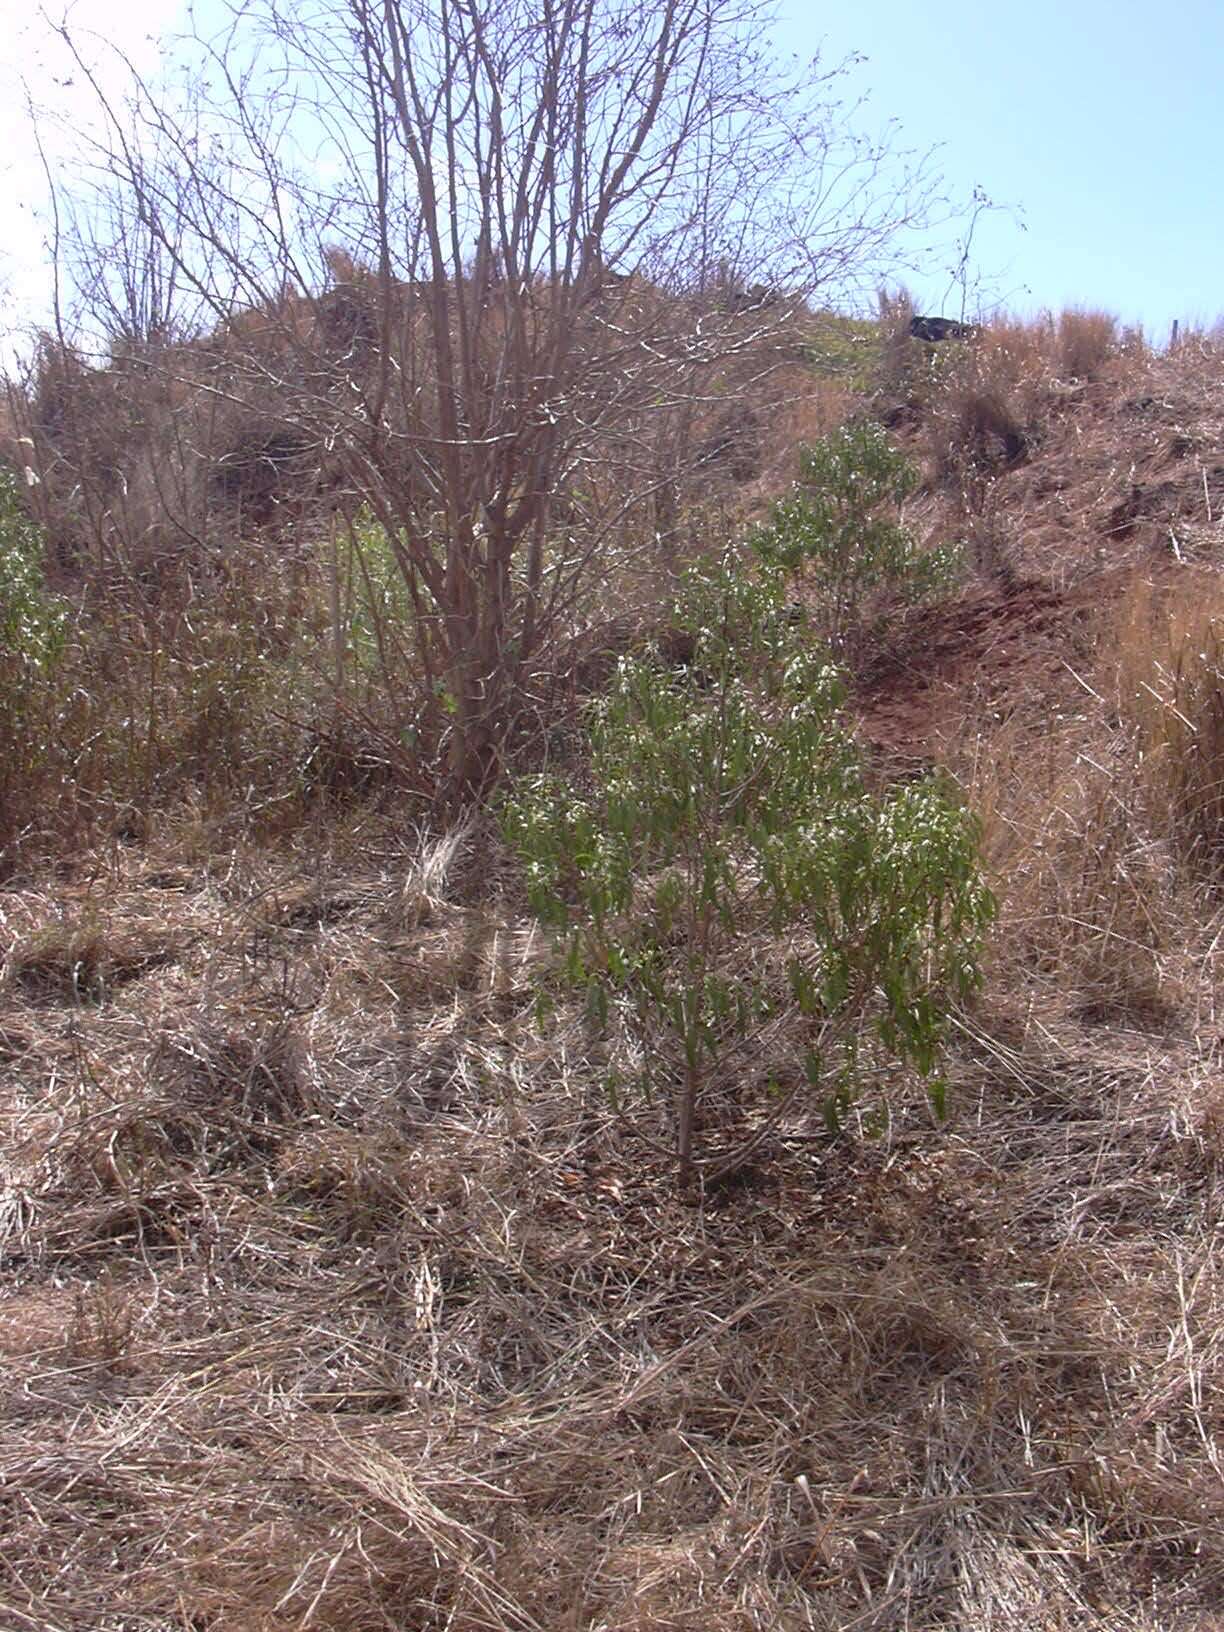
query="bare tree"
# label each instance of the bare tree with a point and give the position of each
(501, 264)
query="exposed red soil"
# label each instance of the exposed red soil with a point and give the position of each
(988, 654)
(1125, 485)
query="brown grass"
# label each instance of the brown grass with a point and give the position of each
(984, 408)
(338, 1298)
(1095, 912)
(1086, 341)
(987, 404)
(1170, 680)
(215, 698)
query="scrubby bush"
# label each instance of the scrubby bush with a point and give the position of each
(839, 536)
(724, 872)
(31, 619)
(32, 632)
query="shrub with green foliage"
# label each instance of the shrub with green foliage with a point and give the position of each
(33, 624)
(838, 534)
(31, 620)
(723, 867)
(369, 604)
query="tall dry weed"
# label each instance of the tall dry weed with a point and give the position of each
(219, 703)
(1102, 832)
(900, 356)
(1085, 341)
(1170, 685)
(986, 404)
(1090, 903)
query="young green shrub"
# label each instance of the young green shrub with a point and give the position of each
(838, 534)
(724, 870)
(32, 621)
(33, 625)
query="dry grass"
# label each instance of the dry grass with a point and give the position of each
(1100, 798)
(337, 1297)
(1095, 912)
(1170, 680)
(805, 410)
(987, 404)
(214, 698)
(1085, 341)
(1059, 477)
(981, 409)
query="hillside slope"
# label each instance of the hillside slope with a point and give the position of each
(335, 1295)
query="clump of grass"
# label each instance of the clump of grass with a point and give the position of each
(1089, 899)
(81, 961)
(1085, 341)
(1170, 681)
(991, 537)
(985, 406)
(219, 696)
(846, 349)
(899, 358)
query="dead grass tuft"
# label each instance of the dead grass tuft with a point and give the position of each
(1085, 343)
(1170, 680)
(1093, 905)
(82, 962)
(984, 408)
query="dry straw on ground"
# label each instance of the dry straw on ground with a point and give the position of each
(336, 1299)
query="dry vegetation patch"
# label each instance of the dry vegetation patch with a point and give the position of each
(334, 1296)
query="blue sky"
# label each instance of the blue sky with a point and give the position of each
(1099, 125)
(1102, 123)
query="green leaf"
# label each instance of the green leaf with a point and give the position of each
(937, 1091)
(597, 1003)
